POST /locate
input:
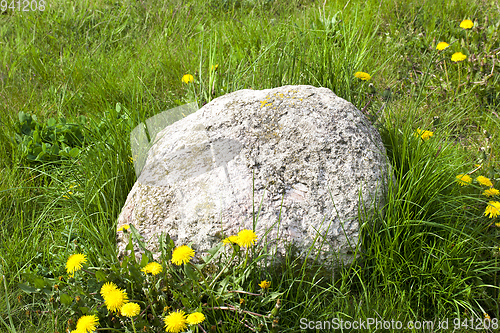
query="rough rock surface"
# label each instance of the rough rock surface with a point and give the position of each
(308, 153)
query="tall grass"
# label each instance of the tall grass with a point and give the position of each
(432, 254)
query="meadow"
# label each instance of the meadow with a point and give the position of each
(77, 77)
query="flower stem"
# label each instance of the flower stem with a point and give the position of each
(227, 265)
(133, 326)
(246, 257)
(150, 303)
(199, 271)
(446, 71)
(458, 86)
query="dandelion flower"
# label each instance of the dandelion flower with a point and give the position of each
(484, 181)
(175, 322)
(187, 78)
(362, 76)
(107, 288)
(87, 324)
(493, 209)
(466, 24)
(441, 46)
(491, 192)
(463, 179)
(123, 227)
(130, 309)
(458, 56)
(230, 240)
(75, 262)
(195, 318)
(115, 299)
(264, 284)
(425, 135)
(182, 254)
(246, 237)
(153, 268)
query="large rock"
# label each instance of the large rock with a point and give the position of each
(306, 153)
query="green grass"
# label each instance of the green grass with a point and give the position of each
(432, 255)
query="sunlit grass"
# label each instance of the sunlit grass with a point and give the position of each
(431, 254)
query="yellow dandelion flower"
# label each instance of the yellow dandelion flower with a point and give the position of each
(246, 237)
(491, 192)
(153, 268)
(130, 309)
(182, 254)
(493, 209)
(87, 324)
(362, 76)
(425, 135)
(466, 24)
(123, 228)
(75, 262)
(458, 56)
(115, 299)
(463, 179)
(265, 284)
(441, 46)
(230, 240)
(484, 181)
(187, 78)
(195, 318)
(107, 288)
(175, 322)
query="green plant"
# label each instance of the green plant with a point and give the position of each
(432, 255)
(52, 141)
(222, 282)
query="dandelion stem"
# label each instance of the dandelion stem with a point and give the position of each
(246, 257)
(133, 326)
(150, 302)
(218, 275)
(446, 71)
(202, 276)
(232, 308)
(458, 86)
